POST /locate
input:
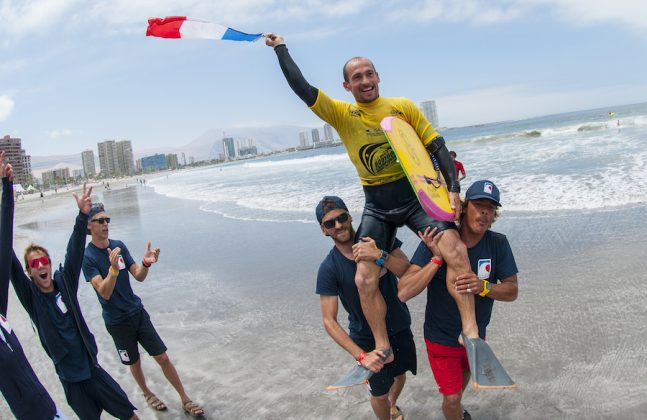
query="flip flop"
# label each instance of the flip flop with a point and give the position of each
(192, 409)
(155, 403)
(398, 415)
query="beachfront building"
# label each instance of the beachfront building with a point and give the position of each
(116, 158)
(55, 177)
(303, 139)
(89, 168)
(428, 109)
(247, 148)
(156, 162)
(171, 161)
(183, 159)
(328, 132)
(315, 136)
(229, 148)
(16, 156)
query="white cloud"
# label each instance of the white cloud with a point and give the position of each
(6, 106)
(25, 16)
(517, 102)
(60, 133)
(586, 12)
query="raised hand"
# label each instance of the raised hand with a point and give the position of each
(113, 255)
(272, 39)
(5, 168)
(151, 255)
(84, 202)
(431, 237)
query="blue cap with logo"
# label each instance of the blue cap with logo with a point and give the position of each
(96, 209)
(328, 203)
(483, 189)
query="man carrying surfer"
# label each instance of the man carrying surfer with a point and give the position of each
(496, 279)
(336, 281)
(390, 200)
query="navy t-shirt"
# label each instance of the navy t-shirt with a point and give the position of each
(336, 277)
(123, 302)
(491, 259)
(75, 366)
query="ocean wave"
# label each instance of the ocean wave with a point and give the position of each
(299, 161)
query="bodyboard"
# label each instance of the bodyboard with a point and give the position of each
(357, 376)
(485, 369)
(423, 174)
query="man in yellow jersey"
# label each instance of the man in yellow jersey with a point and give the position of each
(390, 200)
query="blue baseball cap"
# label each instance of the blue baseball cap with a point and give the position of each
(483, 189)
(96, 209)
(328, 203)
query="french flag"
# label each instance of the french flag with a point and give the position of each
(185, 27)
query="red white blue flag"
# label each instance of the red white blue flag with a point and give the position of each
(185, 27)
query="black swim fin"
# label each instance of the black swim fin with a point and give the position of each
(486, 370)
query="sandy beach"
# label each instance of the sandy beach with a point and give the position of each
(234, 301)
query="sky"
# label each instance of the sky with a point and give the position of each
(77, 72)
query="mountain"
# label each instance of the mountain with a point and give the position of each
(206, 146)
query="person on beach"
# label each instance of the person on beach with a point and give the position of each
(107, 265)
(52, 304)
(390, 200)
(336, 281)
(26, 396)
(460, 169)
(491, 259)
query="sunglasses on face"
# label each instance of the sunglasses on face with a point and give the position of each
(102, 220)
(329, 224)
(39, 261)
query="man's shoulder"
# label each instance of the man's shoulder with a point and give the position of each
(497, 237)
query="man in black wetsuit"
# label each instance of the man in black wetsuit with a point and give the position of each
(390, 200)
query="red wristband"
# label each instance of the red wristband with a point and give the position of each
(361, 357)
(147, 265)
(437, 261)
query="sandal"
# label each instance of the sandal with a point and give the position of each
(398, 415)
(155, 403)
(192, 409)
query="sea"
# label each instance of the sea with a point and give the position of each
(572, 162)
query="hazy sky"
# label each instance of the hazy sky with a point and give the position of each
(75, 72)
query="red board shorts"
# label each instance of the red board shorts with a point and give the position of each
(447, 364)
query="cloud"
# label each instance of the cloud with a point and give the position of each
(6, 106)
(60, 133)
(590, 12)
(517, 102)
(27, 16)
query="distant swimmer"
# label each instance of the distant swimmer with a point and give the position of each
(496, 279)
(108, 265)
(390, 200)
(460, 169)
(336, 281)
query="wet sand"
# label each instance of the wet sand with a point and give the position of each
(234, 301)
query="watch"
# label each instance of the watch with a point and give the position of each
(487, 288)
(382, 258)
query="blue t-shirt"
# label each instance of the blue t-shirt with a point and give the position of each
(123, 302)
(75, 366)
(491, 259)
(336, 277)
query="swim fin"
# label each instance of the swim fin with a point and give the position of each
(357, 376)
(485, 368)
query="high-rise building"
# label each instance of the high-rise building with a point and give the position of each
(303, 139)
(429, 111)
(125, 161)
(56, 177)
(15, 155)
(153, 163)
(108, 158)
(315, 136)
(171, 161)
(328, 132)
(182, 159)
(89, 168)
(229, 148)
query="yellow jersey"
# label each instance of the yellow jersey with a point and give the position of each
(358, 125)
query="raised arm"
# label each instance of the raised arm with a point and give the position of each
(6, 233)
(140, 272)
(76, 244)
(367, 250)
(417, 277)
(439, 153)
(293, 75)
(103, 285)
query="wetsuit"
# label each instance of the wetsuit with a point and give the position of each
(390, 200)
(26, 396)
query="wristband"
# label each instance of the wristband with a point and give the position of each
(361, 357)
(145, 264)
(486, 288)
(383, 257)
(112, 271)
(437, 261)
